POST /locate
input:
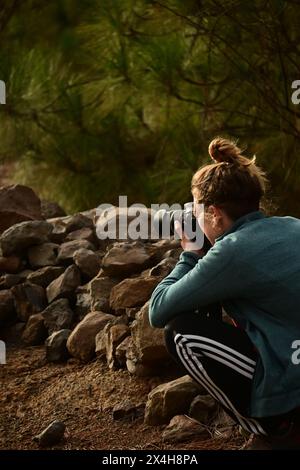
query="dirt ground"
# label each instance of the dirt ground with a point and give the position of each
(33, 393)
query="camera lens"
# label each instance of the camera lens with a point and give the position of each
(164, 224)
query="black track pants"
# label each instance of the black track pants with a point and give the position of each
(222, 359)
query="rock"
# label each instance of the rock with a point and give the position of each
(124, 259)
(100, 340)
(29, 299)
(64, 285)
(134, 366)
(21, 236)
(131, 312)
(163, 268)
(121, 351)
(182, 428)
(174, 253)
(51, 435)
(115, 335)
(149, 343)
(88, 263)
(67, 250)
(18, 203)
(35, 332)
(117, 223)
(223, 424)
(161, 247)
(58, 316)
(64, 225)
(79, 221)
(51, 209)
(170, 399)
(101, 337)
(100, 289)
(83, 304)
(10, 265)
(127, 411)
(81, 342)
(44, 276)
(43, 255)
(85, 233)
(59, 230)
(202, 408)
(7, 307)
(56, 346)
(132, 292)
(9, 280)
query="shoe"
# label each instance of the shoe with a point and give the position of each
(289, 439)
(256, 442)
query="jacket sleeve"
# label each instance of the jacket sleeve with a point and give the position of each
(195, 282)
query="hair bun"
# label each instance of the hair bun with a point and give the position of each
(224, 150)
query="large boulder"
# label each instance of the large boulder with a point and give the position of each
(170, 399)
(132, 292)
(29, 299)
(17, 204)
(7, 307)
(135, 367)
(85, 233)
(88, 262)
(56, 346)
(100, 288)
(44, 276)
(64, 225)
(149, 343)
(64, 285)
(21, 236)
(35, 332)
(81, 342)
(117, 223)
(43, 255)
(58, 316)
(68, 249)
(124, 259)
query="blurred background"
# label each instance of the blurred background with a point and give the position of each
(109, 97)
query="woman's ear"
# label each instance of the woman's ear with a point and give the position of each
(216, 216)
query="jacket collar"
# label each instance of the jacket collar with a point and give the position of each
(241, 221)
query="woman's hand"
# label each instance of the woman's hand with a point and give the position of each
(186, 243)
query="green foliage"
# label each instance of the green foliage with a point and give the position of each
(123, 96)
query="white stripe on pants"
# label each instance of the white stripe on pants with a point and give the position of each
(191, 362)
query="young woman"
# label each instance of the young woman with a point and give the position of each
(253, 271)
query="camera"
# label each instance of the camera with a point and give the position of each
(164, 224)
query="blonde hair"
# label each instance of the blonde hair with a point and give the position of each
(233, 182)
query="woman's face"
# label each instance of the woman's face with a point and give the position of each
(212, 220)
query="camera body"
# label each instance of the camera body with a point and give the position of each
(164, 223)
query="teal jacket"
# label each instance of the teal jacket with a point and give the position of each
(253, 269)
